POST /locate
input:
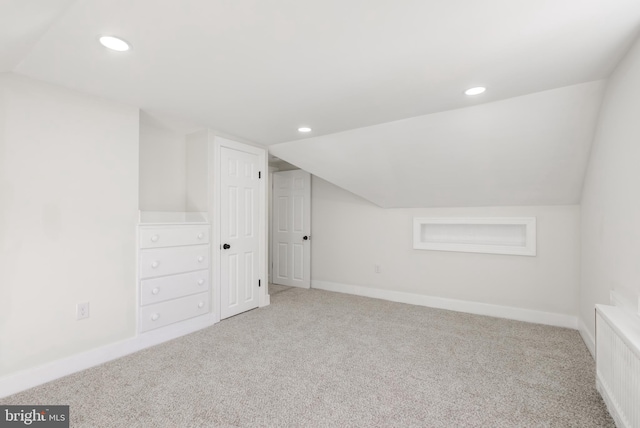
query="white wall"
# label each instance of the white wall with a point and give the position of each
(163, 172)
(610, 199)
(350, 235)
(198, 169)
(68, 212)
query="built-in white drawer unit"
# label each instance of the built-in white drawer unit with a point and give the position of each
(171, 260)
(173, 236)
(171, 311)
(157, 290)
(173, 273)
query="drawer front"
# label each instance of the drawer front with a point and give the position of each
(168, 261)
(170, 236)
(165, 313)
(170, 287)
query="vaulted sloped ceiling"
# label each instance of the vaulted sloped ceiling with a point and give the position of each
(22, 24)
(355, 71)
(529, 150)
(260, 69)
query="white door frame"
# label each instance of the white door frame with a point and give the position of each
(272, 169)
(214, 215)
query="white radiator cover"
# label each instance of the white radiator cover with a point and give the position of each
(618, 363)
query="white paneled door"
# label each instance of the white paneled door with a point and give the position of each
(291, 228)
(239, 231)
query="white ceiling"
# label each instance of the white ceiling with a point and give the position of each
(22, 24)
(354, 71)
(259, 69)
(528, 150)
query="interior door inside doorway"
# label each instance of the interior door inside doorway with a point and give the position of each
(239, 231)
(291, 228)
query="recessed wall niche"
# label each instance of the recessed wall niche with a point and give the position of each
(493, 235)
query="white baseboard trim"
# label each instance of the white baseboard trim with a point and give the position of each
(267, 301)
(26, 379)
(291, 285)
(519, 314)
(587, 337)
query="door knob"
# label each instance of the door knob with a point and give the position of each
(305, 238)
(226, 246)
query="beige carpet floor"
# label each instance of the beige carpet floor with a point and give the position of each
(320, 359)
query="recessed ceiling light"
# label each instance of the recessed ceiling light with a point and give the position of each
(114, 43)
(475, 91)
(304, 129)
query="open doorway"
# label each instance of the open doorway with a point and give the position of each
(290, 220)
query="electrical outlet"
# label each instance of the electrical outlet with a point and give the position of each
(377, 268)
(82, 310)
